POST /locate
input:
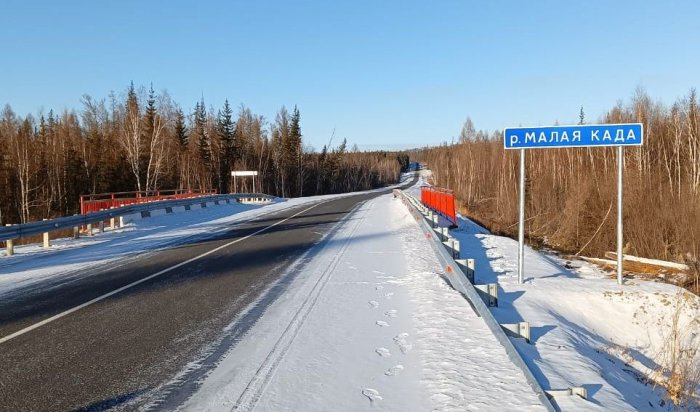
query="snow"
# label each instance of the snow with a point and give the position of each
(655, 262)
(367, 322)
(587, 330)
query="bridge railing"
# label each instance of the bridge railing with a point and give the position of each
(103, 201)
(440, 200)
(12, 232)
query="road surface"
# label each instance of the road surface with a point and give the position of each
(143, 322)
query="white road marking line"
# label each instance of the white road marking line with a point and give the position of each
(147, 278)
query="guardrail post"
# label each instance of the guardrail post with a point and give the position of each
(102, 226)
(47, 242)
(121, 221)
(575, 390)
(488, 293)
(89, 229)
(453, 246)
(112, 223)
(580, 391)
(462, 263)
(438, 232)
(445, 233)
(517, 330)
(76, 232)
(9, 246)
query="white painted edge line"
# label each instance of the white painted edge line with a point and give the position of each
(147, 278)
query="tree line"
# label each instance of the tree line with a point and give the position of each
(144, 141)
(571, 193)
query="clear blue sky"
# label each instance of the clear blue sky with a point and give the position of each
(381, 73)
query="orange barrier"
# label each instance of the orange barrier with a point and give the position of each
(440, 200)
(104, 201)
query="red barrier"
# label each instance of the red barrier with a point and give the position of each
(103, 201)
(441, 200)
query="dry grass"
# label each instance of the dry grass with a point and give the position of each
(679, 370)
(571, 193)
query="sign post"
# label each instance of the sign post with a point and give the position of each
(235, 174)
(620, 165)
(625, 134)
(521, 218)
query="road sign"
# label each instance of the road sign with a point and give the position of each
(629, 134)
(625, 134)
(244, 173)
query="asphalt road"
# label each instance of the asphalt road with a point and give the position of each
(122, 350)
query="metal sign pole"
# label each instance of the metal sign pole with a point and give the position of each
(620, 165)
(521, 218)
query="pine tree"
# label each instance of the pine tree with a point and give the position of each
(182, 140)
(581, 116)
(181, 130)
(225, 128)
(200, 131)
(204, 144)
(295, 153)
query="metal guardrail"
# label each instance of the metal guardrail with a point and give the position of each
(36, 228)
(459, 280)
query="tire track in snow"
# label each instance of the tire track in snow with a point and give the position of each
(251, 395)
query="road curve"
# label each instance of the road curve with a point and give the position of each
(126, 346)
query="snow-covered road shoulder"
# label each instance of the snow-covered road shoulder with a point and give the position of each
(369, 324)
(586, 330)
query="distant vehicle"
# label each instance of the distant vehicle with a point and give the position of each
(414, 167)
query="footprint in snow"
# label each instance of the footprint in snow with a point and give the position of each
(394, 370)
(383, 352)
(402, 343)
(389, 295)
(373, 303)
(382, 324)
(392, 313)
(372, 395)
(379, 287)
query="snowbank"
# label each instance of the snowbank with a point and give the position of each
(587, 330)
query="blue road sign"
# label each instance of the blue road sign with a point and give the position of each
(628, 134)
